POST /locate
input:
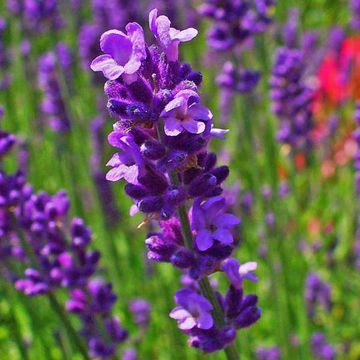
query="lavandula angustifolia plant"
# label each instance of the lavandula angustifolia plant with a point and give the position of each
(163, 133)
(37, 15)
(355, 14)
(5, 76)
(320, 348)
(42, 250)
(235, 22)
(65, 60)
(103, 187)
(268, 353)
(291, 99)
(317, 292)
(3, 57)
(53, 105)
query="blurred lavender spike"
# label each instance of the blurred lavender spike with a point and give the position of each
(103, 187)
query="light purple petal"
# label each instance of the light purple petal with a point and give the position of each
(172, 127)
(152, 20)
(189, 94)
(212, 207)
(179, 313)
(187, 324)
(245, 270)
(116, 139)
(224, 236)
(117, 173)
(173, 104)
(131, 174)
(136, 35)
(225, 220)
(115, 160)
(219, 133)
(172, 51)
(199, 112)
(163, 31)
(193, 126)
(184, 35)
(117, 44)
(108, 66)
(205, 321)
(231, 267)
(133, 210)
(204, 239)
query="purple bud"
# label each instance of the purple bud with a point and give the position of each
(202, 184)
(152, 150)
(151, 204)
(135, 191)
(247, 317)
(221, 173)
(182, 259)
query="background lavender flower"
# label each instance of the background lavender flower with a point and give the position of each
(355, 14)
(267, 353)
(103, 187)
(238, 80)
(37, 15)
(320, 348)
(3, 55)
(291, 99)
(141, 311)
(290, 29)
(317, 293)
(53, 104)
(235, 22)
(42, 253)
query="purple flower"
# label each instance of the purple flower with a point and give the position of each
(129, 354)
(267, 353)
(183, 113)
(317, 292)
(123, 53)
(126, 165)
(168, 37)
(193, 310)
(6, 142)
(60, 258)
(355, 12)
(236, 272)
(235, 22)
(320, 348)
(291, 97)
(140, 309)
(211, 224)
(239, 80)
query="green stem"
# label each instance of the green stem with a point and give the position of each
(67, 324)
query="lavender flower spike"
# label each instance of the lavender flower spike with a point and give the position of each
(168, 37)
(123, 53)
(163, 133)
